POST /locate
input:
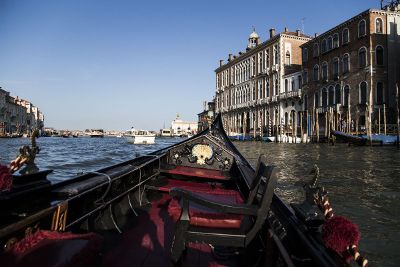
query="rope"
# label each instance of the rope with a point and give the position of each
(107, 190)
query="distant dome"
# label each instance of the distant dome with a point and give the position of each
(253, 35)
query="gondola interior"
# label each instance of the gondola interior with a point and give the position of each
(196, 203)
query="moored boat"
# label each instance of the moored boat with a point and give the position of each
(361, 140)
(198, 202)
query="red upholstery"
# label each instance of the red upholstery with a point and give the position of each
(191, 186)
(45, 248)
(197, 172)
(204, 217)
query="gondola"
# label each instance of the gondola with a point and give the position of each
(197, 202)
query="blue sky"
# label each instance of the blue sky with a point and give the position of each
(116, 64)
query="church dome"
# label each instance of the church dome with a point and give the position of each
(253, 35)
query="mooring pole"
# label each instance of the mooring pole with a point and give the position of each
(398, 115)
(384, 118)
(379, 120)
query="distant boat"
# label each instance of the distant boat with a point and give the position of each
(239, 137)
(166, 133)
(361, 140)
(140, 137)
(282, 139)
(97, 133)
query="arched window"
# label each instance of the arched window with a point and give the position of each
(315, 50)
(335, 69)
(293, 87)
(324, 71)
(345, 36)
(378, 25)
(362, 28)
(335, 40)
(316, 73)
(287, 58)
(324, 97)
(300, 82)
(363, 93)
(379, 55)
(330, 43)
(362, 57)
(267, 86)
(305, 76)
(323, 46)
(346, 99)
(286, 118)
(338, 94)
(305, 54)
(286, 86)
(380, 97)
(346, 63)
(331, 95)
(316, 99)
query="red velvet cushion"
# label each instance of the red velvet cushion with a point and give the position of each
(205, 217)
(191, 186)
(197, 172)
(45, 249)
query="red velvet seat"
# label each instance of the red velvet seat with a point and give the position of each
(206, 217)
(197, 172)
(45, 249)
(165, 185)
(223, 227)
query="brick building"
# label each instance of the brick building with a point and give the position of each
(350, 73)
(253, 90)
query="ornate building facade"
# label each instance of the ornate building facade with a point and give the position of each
(18, 116)
(350, 72)
(258, 92)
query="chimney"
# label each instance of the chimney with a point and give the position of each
(286, 29)
(271, 33)
(298, 32)
(230, 57)
(221, 62)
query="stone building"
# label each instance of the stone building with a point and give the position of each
(206, 117)
(182, 128)
(18, 116)
(350, 73)
(260, 89)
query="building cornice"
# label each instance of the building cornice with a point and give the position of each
(251, 52)
(347, 22)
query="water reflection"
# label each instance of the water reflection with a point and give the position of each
(70, 156)
(363, 184)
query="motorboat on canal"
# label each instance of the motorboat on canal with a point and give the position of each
(96, 133)
(142, 137)
(198, 202)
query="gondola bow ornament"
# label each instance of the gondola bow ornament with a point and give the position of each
(338, 233)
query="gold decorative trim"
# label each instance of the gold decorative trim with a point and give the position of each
(60, 217)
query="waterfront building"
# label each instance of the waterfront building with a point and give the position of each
(180, 127)
(18, 116)
(259, 90)
(350, 73)
(206, 117)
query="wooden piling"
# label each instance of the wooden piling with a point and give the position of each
(379, 120)
(384, 119)
(301, 126)
(398, 115)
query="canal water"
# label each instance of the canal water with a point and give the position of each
(363, 182)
